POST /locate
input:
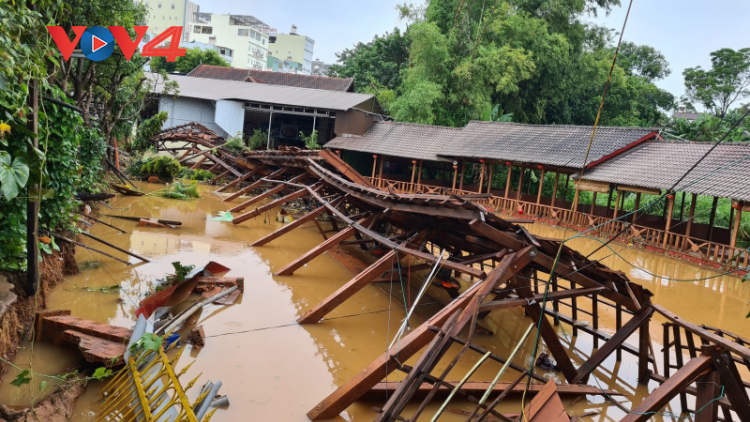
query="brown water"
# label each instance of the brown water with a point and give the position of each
(275, 370)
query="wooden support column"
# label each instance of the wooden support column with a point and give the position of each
(463, 169)
(565, 192)
(413, 170)
(712, 219)
(507, 182)
(644, 339)
(481, 177)
(380, 169)
(575, 199)
(736, 224)
(374, 165)
(274, 190)
(346, 291)
(520, 183)
(617, 204)
(332, 242)
(708, 389)
(637, 205)
(613, 344)
(554, 189)
(693, 202)
(455, 174)
(541, 185)
(593, 203)
(682, 205)
(670, 208)
(489, 179)
(419, 173)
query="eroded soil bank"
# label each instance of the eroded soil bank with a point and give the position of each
(276, 370)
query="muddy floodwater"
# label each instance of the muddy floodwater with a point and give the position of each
(273, 369)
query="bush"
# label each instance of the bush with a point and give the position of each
(257, 140)
(311, 141)
(148, 129)
(181, 191)
(163, 167)
(199, 174)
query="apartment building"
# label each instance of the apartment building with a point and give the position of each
(239, 37)
(163, 14)
(293, 47)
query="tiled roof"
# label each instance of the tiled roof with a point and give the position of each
(554, 145)
(687, 115)
(273, 78)
(215, 89)
(725, 172)
(406, 140)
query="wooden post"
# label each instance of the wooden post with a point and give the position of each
(413, 170)
(644, 374)
(637, 205)
(691, 215)
(455, 174)
(541, 185)
(32, 207)
(481, 177)
(565, 191)
(489, 179)
(712, 218)
(380, 170)
(554, 189)
(737, 221)
(682, 204)
(593, 203)
(374, 165)
(575, 199)
(507, 182)
(520, 183)
(419, 174)
(463, 169)
(617, 204)
(670, 208)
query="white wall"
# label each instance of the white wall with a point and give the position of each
(185, 110)
(248, 52)
(230, 116)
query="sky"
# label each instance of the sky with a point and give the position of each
(685, 31)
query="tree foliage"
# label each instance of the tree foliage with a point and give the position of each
(535, 59)
(193, 58)
(727, 82)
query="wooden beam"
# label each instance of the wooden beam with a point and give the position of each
(506, 239)
(219, 176)
(613, 344)
(670, 209)
(349, 289)
(271, 205)
(477, 388)
(223, 164)
(541, 185)
(489, 179)
(617, 203)
(481, 177)
(274, 190)
(709, 388)
(513, 302)
(463, 168)
(374, 164)
(289, 227)
(412, 343)
(196, 165)
(413, 170)
(736, 226)
(455, 266)
(254, 185)
(655, 401)
(328, 244)
(554, 189)
(419, 173)
(520, 183)
(455, 175)
(507, 181)
(246, 176)
(733, 386)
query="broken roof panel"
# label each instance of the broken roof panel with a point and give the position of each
(273, 78)
(725, 172)
(555, 145)
(215, 89)
(406, 140)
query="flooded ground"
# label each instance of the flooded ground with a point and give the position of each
(273, 369)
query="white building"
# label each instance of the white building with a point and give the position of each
(238, 37)
(163, 14)
(295, 47)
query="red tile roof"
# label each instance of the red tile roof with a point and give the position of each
(273, 78)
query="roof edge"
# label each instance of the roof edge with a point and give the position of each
(623, 149)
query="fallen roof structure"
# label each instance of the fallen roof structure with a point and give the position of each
(502, 266)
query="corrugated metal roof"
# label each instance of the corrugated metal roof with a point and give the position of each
(215, 89)
(273, 78)
(725, 172)
(406, 140)
(554, 145)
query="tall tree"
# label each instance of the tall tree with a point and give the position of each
(644, 61)
(725, 83)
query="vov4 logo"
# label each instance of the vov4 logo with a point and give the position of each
(98, 42)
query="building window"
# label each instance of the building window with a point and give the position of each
(207, 30)
(225, 51)
(172, 5)
(196, 29)
(264, 41)
(257, 36)
(159, 5)
(242, 32)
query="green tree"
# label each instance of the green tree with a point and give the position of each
(725, 83)
(644, 61)
(377, 63)
(193, 58)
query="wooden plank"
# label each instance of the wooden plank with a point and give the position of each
(612, 344)
(733, 386)
(709, 388)
(246, 176)
(223, 164)
(345, 169)
(444, 263)
(477, 388)
(125, 251)
(412, 343)
(485, 230)
(274, 190)
(349, 289)
(545, 407)
(217, 177)
(512, 303)
(660, 397)
(271, 205)
(254, 185)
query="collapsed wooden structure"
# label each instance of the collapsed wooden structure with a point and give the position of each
(497, 264)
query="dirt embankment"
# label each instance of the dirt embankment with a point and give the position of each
(57, 407)
(16, 324)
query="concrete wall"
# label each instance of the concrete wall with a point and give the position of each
(185, 110)
(230, 116)
(248, 51)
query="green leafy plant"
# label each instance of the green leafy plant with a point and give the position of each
(101, 373)
(148, 341)
(23, 378)
(235, 145)
(257, 140)
(180, 271)
(311, 140)
(14, 173)
(197, 174)
(180, 190)
(164, 167)
(148, 129)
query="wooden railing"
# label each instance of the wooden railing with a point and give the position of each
(695, 249)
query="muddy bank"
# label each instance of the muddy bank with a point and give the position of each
(57, 407)
(16, 324)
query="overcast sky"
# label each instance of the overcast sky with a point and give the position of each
(685, 31)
